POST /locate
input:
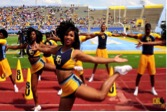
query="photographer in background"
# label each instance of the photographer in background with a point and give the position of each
(22, 40)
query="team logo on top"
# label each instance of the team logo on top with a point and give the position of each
(148, 39)
(31, 52)
(103, 36)
(58, 59)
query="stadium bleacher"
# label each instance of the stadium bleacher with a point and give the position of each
(88, 19)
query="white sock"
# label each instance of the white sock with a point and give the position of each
(91, 78)
(136, 91)
(92, 75)
(15, 85)
(154, 92)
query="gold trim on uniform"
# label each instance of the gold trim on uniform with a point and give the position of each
(70, 85)
(37, 66)
(70, 63)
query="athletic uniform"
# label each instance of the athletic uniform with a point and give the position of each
(78, 62)
(64, 61)
(38, 65)
(157, 36)
(102, 40)
(147, 57)
(4, 64)
(48, 58)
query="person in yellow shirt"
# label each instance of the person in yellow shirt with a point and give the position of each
(48, 58)
(101, 49)
(147, 60)
(4, 64)
(161, 41)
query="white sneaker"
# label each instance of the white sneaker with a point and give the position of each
(123, 69)
(39, 77)
(59, 92)
(78, 68)
(16, 90)
(135, 92)
(91, 79)
(37, 108)
(154, 92)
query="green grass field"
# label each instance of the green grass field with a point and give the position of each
(133, 58)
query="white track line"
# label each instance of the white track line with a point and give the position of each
(88, 105)
(24, 91)
(27, 105)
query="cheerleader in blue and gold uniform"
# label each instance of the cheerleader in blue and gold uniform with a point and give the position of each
(37, 64)
(65, 58)
(4, 65)
(78, 68)
(147, 60)
(101, 49)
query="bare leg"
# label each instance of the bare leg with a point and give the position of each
(66, 103)
(137, 84)
(152, 80)
(91, 94)
(152, 85)
(107, 67)
(34, 83)
(82, 78)
(49, 67)
(12, 79)
(14, 83)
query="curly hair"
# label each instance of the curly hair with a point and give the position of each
(38, 35)
(4, 32)
(64, 28)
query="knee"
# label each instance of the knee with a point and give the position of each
(102, 97)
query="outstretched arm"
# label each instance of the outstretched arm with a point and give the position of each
(79, 55)
(46, 48)
(161, 42)
(54, 37)
(91, 35)
(116, 35)
(14, 47)
(132, 35)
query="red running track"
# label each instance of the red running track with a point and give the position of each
(123, 101)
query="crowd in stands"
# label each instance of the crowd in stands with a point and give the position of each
(46, 18)
(15, 18)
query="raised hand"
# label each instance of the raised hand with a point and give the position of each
(118, 59)
(139, 44)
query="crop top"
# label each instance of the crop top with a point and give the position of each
(32, 53)
(63, 60)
